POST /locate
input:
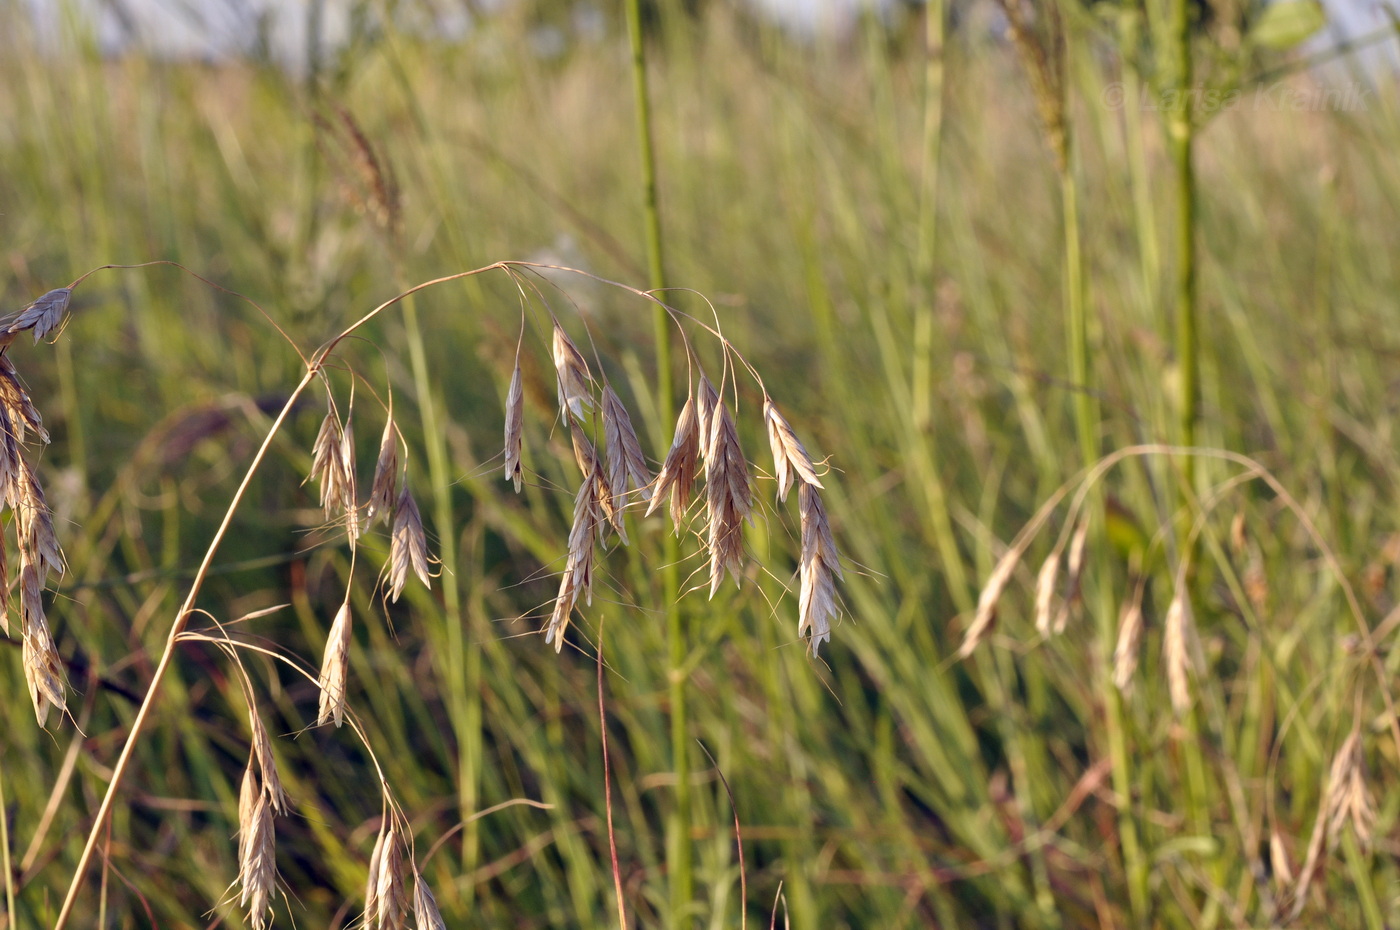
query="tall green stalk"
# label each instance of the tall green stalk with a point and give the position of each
(1181, 132)
(679, 860)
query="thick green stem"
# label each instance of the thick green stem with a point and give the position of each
(1181, 130)
(678, 849)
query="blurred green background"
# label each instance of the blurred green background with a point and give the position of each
(913, 333)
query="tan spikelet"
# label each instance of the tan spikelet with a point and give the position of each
(571, 370)
(819, 567)
(578, 568)
(267, 765)
(1278, 861)
(1126, 650)
(16, 401)
(257, 871)
(1176, 652)
(37, 540)
(677, 475)
(706, 401)
(624, 453)
(585, 456)
(987, 603)
(350, 495)
(1045, 594)
(515, 427)
(408, 545)
(335, 668)
(1074, 575)
(372, 882)
(1348, 798)
(43, 669)
(728, 498)
(790, 457)
(383, 492)
(391, 897)
(325, 461)
(426, 915)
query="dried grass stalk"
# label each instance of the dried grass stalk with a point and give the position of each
(408, 544)
(728, 497)
(383, 492)
(578, 567)
(1045, 594)
(574, 379)
(677, 475)
(819, 566)
(1176, 652)
(426, 915)
(515, 426)
(257, 868)
(987, 603)
(624, 453)
(789, 455)
(334, 669)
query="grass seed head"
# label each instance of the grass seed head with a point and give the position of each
(334, 669)
(578, 566)
(1176, 652)
(706, 400)
(1348, 798)
(1125, 652)
(677, 475)
(426, 915)
(515, 427)
(819, 565)
(43, 316)
(391, 897)
(1045, 594)
(789, 455)
(267, 764)
(575, 395)
(728, 497)
(624, 453)
(408, 544)
(257, 870)
(987, 603)
(383, 493)
(43, 669)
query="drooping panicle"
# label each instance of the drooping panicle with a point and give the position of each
(677, 475)
(573, 376)
(790, 458)
(515, 426)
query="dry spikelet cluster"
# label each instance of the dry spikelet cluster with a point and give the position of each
(389, 899)
(1176, 651)
(1348, 799)
(39, 552)
(706, 438)
(260, 797)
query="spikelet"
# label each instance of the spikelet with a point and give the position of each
(43, 316)
(677, 475)
(515, 426)
(706, 401)
(819, 565)
(4, 588)
(1074, 576)
(1125, 651)
(585, 456)
(391, 897)
(1348, 798)
(334, 669)
(426, 915)
(349, 491)
(578, 567)
(987, 603)
(37, 540)
(248, 795)
(1278, 860)
(257, 868)
(1045, 593)
(408, 544)
(728, 497)
(1176, 652)
(789, 455)
(267, 765)
(572, 373)
(383, 493)
(624, 453)
(16, 400)
(325, 461)
(372, 882)
(43, 669)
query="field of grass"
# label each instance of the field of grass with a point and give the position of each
(913, 332)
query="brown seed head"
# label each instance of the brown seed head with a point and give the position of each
(571, 370)
(408, 544)
(515, 426)
(728, 497)
(819, 565)
(677, 475)
(789, 455)
(334, 669)
(382, 493)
